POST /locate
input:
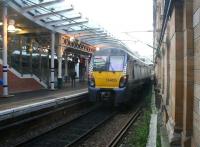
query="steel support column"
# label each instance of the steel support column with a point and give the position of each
(66, 67)
(59, 72)
(59, 55)
(87, 66)
(5, 44)
(52, 59)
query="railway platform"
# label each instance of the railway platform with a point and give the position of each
(21, 103)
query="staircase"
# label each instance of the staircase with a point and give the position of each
(28, 65)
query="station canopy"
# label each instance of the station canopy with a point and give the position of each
(59, 16)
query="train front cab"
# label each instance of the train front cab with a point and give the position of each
(109, 83)
(111, 88)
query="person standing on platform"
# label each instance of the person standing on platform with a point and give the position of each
(73, 78)
(72, 74)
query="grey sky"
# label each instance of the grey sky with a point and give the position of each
(119, 16)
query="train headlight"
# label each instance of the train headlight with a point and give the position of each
(123, 81)
(91, 81)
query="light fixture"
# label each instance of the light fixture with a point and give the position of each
(18, 29)
(11, 27)
(1, 23)
(97, 48)
(71, 39)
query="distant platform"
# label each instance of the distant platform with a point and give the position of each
(28, 101)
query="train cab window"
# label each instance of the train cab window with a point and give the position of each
(100, 63)
(116, 63)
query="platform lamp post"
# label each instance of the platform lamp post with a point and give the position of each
(5, 47)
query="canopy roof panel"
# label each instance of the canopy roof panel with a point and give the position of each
(60, 16)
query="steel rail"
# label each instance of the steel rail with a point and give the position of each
(26, 119)
(5, 114)
(124, 129)
(91, 130)
(101, 117)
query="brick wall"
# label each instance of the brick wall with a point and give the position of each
(16, 84)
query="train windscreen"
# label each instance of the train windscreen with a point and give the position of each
(100, 63)
(116, 63)
(108, 63)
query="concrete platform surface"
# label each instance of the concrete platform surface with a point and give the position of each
(21, 102)
(164, 137)
(152, 131)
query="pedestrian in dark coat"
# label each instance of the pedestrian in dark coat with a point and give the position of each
(73, 78)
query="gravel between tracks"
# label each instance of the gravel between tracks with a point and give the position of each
(104, 135)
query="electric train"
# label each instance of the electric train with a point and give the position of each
(115, 74)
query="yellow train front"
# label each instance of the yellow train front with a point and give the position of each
(114, 75)
(107, 76)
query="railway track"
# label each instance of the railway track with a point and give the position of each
(19, 129)
(117, 138)
(72, 132)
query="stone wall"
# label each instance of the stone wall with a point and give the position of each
(179, 75)
(196, 108)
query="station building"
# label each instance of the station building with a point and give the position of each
(176, 39)
(42, 42)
